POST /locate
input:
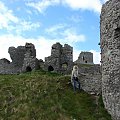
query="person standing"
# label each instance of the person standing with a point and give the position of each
(74, 78)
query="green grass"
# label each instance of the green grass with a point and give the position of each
(42, 95)
(86, 65)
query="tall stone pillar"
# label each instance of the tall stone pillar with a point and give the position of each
(110, 56)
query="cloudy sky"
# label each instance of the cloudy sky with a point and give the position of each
(45, 22)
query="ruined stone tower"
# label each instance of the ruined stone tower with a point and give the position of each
(85, 58)
(110, 56)
(17, 55)
(30, 62)
(61, 59)
(23, 59)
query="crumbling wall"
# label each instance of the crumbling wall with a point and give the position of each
(30, 61)
(91, 83)
(67, 59)
(52, 63)
(110, 56)
(4, 64)
(85, 58)
(6, 67)
(89, 68)
(23, 59)
(17, 55)
(90, 78)
(61, 59)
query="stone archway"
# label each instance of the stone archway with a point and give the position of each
(28, 69)
(50, 68)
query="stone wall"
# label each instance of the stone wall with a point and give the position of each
(85, 58)
(91, 83)
(90, 78)
(8, 68)
(52, 63)
(23, 59)
(17, 55)
(66, 59)
(61, 59)
(89, 68)
(30, 61)
(110, 56)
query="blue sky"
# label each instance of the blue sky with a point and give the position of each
(45, 22)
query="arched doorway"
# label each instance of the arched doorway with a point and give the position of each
(28, 69)
(50, 68)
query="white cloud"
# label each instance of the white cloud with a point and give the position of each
(41, 6)
(71, 36)
(26, 26)
(76, 18)
(42, 45)
(65, 34)
(55, 28)
(96, 57)
(10, 22)
(103, 1)
(76, 54)
(6, 17)
(93, 5)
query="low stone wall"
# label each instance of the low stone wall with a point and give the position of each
(89, 69)
(91, 83)
(6, 68)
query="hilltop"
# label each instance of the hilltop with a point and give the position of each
(40, 95)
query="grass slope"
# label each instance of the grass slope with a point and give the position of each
(41, 95)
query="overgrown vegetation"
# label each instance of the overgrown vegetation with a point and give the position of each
(42, 95)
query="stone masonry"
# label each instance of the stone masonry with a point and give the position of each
(30, 62)
(85, 58)
(110, 56)
(61, 59)
(23, 59)
(90, 77)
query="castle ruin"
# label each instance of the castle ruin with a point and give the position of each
(61, 59)
(23, 60)
(110, 56)
(85, 58)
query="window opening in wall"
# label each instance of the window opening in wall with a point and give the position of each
(117, 33)
(50, 68)
(28, 69)
(83, 58)
(85, 61)
(53, 48)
